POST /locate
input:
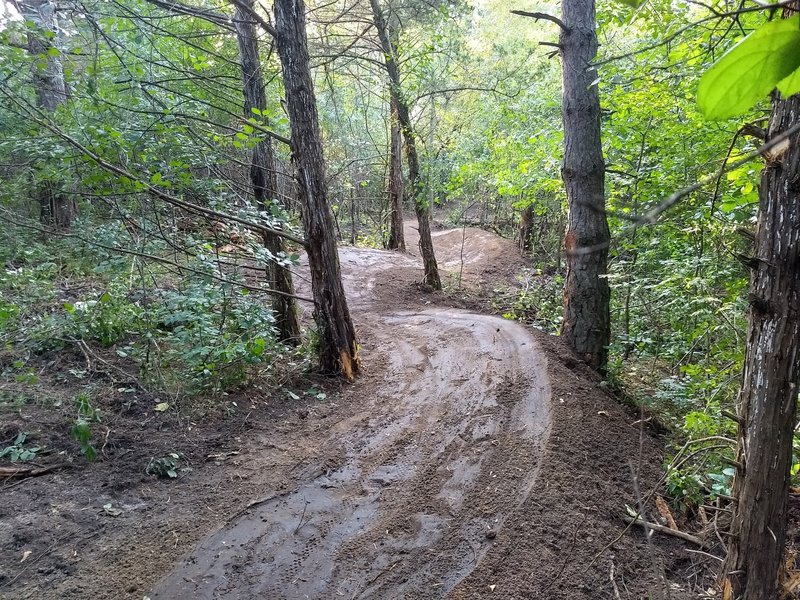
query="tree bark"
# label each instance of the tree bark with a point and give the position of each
(586, 326)
(526, 228)
(771, 375)
(337, 340)
(56, 209)
(264, 177)
(422, 207)
(48, 77)
(397, 239)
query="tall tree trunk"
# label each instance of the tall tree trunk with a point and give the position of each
(771, 374)
(397, 240)
(338, 349)
(422, 207)
(264, 177)
(586, 326)
(55, 208)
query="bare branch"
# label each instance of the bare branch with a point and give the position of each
(245, 7)
(160, 259)
(32, 113)
(542, 16)
(191, 11)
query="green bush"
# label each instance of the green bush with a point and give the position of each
(204, 338)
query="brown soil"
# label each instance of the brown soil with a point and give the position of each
(473, 458)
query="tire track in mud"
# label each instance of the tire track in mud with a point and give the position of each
(434, 465)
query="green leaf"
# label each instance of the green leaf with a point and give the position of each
(89, 452)
(751, 69)
(789, 86)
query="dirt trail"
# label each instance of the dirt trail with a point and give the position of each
(417, 483)
(473, 458)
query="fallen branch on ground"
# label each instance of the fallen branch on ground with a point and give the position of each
(9, 472)
(662, 529)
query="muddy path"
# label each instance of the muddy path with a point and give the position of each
(417, 484)
(472, 457)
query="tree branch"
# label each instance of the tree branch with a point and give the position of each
(191, 11)
(653, 214)
(463, 88)
(265, 25)
(147, 186)
(542, 16)
(153, 257)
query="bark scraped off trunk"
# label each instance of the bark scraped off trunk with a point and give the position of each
(771, 375)
(338, 349)
(586, 326)
(264, 177)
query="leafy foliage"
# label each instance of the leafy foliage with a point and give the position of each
(81, 430)
(168, 466)
(768, 57)
(17, 451)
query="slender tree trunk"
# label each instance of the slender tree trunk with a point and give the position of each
(422, 207)
(526, 228)
(586, 326)
(771, 375)
(264, 177)
(56, 209)
(338, 349)
(397, 240)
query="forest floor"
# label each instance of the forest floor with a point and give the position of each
(473, 458)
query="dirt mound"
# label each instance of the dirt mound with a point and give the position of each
(472, 457)
(473, 255)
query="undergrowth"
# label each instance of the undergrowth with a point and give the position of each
(186, 335)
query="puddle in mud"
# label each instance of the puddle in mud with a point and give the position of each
(448, 451)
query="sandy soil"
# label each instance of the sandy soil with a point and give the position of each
(473, 458)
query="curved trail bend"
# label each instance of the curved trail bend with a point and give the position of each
(453, 414)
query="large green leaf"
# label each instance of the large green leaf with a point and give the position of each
(790, 85)
(751, 69)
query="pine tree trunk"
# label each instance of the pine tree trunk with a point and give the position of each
(264, 178)
(422, 207)
(586, 326)
(771, 375)
(396, 237)
(337, 339)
